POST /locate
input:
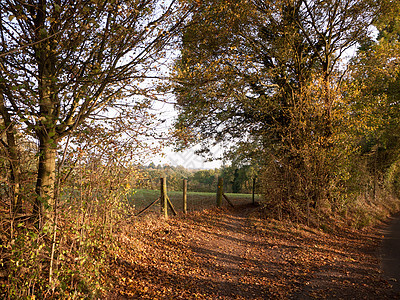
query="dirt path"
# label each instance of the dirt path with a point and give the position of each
(235, 254)
(233, 257)
(390, 252)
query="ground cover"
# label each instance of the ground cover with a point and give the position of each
(238, 254)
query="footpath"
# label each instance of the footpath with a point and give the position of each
(390, 252)
(237, 254)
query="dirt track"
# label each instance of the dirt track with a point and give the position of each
(390, 252)
(236, 254)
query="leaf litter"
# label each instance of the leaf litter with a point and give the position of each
(238, 254)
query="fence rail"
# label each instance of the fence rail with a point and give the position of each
(167, 205)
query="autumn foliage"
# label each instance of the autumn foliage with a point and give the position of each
(304, 95)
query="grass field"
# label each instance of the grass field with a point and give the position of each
(195, 200)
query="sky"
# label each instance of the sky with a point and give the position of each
(187, 158)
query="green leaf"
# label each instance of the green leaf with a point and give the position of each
(57, 8)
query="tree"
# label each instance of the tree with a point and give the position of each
(373, 95)
(267, 74)
(64, 62)
(9, 143)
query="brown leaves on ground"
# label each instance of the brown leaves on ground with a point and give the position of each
(235, 254)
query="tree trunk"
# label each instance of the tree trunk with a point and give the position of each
(16, 205)
(45, 131)
(44, 201)
(13, 157)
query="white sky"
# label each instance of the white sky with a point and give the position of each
(187, 159)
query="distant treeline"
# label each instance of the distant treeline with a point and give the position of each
(236, 179)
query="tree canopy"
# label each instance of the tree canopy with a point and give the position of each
(64, 62)
(267, 75)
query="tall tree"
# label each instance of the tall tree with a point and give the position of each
(62, 62)
(269, 72)
(374, 94)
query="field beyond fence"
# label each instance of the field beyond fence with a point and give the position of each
(195, 200)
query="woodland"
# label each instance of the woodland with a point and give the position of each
(302, 94)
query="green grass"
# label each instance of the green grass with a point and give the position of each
(195, 200)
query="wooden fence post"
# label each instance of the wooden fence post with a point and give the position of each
(220, 191)
(184, 196)
(164, 204)
(254, 190)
